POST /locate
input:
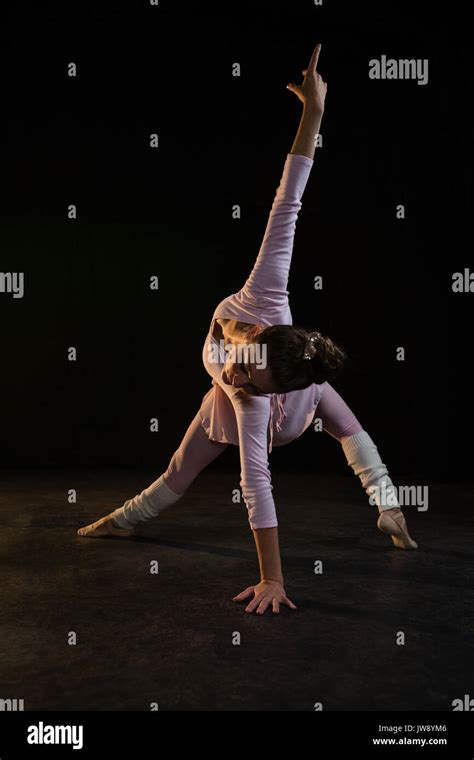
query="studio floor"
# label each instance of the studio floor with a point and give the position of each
(86, 625)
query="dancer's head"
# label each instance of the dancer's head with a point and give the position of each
(284, 358)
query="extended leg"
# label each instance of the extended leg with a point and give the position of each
(195, 452)
(363, 456)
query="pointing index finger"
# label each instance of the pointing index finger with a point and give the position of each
(314, 58)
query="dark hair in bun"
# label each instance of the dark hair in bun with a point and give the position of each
(298, 357)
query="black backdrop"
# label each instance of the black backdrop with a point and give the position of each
(167, 69)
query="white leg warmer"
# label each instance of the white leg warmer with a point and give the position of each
(362, 455)
(146, 505)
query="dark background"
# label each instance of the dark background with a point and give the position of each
(223, 141)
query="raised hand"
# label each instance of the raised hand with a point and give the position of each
(313, 89)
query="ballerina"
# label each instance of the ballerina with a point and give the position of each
(266, 398)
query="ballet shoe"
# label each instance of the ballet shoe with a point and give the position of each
(394, 525)
(104, 527)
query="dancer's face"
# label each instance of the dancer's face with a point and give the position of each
(249, 377)
(246, 369)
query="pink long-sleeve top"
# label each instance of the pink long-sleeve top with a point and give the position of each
(228, 414)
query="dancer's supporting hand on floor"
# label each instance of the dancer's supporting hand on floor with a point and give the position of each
(265, 593)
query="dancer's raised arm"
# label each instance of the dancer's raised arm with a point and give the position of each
(266, 287)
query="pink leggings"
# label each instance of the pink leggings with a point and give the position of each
(196, 450)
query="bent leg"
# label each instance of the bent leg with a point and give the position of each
(363, 456)
(337, 418)
(360, 450)
(195, 452)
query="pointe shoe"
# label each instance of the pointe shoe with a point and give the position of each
(106, 526)
(394, 525)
